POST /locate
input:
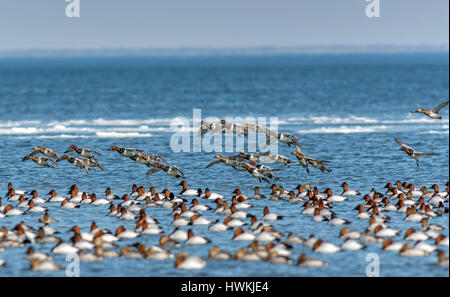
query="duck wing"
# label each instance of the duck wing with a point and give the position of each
(153, 170)
(439, 107)
(403, 144)
(213, 163)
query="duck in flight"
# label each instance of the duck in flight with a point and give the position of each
(170, 170)
(88, 153)
(48, 152)
(229, 161)
(412, 152)
(432, 113)
(43, 161)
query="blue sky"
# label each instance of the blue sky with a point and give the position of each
(31, 24)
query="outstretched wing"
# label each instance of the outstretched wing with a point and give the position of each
(213, 163)
(403, 144)
(420, 154)
(439, 107)
(50, 159)
(153, 170)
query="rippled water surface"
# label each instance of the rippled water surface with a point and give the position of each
(345, 108)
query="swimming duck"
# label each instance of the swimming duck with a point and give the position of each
(346, 233)
(347, 192)
(324, 247)
(47, 219)
(268, 216)
(411, 152)
(185, 261)
(196, 239)
(408, 251)
(187, 192)
(240, 234)
(352, 245)
(43, 265)
(305, 261)
(215, 253)
(442, 259)
(432, 113)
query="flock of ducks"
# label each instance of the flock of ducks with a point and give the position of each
(266, 243)
(234, 215)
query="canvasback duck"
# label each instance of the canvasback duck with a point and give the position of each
(240, 234)
(408, 251)
(54, 197)
(442, 240)
(334, 198)
(88, 153)
(10, 211)
(347, 233)
(178, 234)
(432, 113)
(268, 216)
(412, 152)
(215, 253)
(187, 192)
(324, 247)
(66, 204)
(347, 192)
(126, 152)
(42, 161)
(198, 220)
(243, 255)
(305, 261)
(184, 261)
(196, 239)
(442, 258)
(64, 248)
(198, 207)
(231, 222)
(121, 232)
(36, 199)
(390, 245)
(43, 265)
(32, 207)
(352, 245)
(381, 231)
(178, 221)
(219, 226)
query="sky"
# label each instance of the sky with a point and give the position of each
(43, 24)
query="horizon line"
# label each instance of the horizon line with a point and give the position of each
(232, 50)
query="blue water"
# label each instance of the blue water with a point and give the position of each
(345, 108)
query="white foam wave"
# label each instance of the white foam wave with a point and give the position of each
(352, 119)
(435, 132)
(54, 136)
(18, 123)
(345, 129)
(121, 135)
